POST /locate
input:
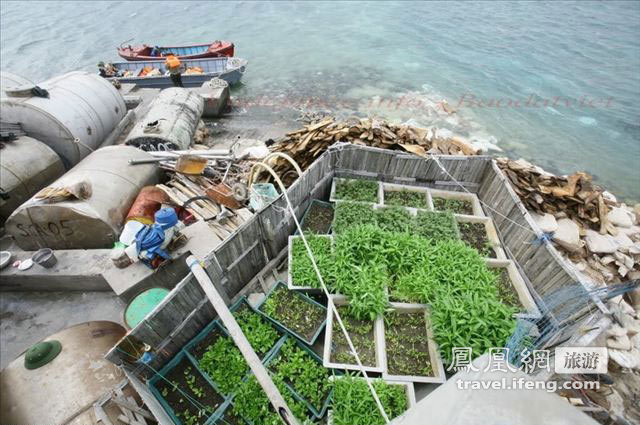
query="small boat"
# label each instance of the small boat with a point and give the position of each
(197, 51)
(154, 74)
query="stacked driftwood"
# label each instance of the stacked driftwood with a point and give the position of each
(309, 142)
(600, 235)
(543, 192)
(181, 188)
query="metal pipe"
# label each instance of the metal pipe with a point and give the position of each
(242, 343)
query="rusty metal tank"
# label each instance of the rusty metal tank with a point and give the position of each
(26, 166)
(170, 123)
(80, 111)
(63, 390)
(90, 223)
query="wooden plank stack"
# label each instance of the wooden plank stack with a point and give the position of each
(182, 187)
(308, 143)
(543, 192)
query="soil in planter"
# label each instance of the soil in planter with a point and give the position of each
(318, 219)
(294, 312)
(456, 206)
(405, 198)
(362, 335)
(475, 235)
(357, 190)
(407, 344)
(184, 377)
(506, 291)
(303, 373)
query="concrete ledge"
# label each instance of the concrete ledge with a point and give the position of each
(76, 270)
(93, 270)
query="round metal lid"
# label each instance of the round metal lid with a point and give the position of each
(41, 354)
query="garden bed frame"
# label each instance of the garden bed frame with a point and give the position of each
(391, 187)
(378, 336)
(409, 391)
(332, 196)
(260, 243)
(492, 234)
(460, 196)
(282, 326)
(434, 355)
(290, 285)
(519, 285)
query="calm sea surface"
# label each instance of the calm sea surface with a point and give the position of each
(557, 83)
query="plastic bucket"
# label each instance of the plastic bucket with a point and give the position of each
(45, 258)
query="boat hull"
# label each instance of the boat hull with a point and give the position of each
(196, 51)
(227, 69)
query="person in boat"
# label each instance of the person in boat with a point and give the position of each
(175, 68)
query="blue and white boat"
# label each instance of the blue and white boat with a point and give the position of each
(156, 75)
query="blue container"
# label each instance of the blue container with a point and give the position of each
(166, 217)
(281, 326)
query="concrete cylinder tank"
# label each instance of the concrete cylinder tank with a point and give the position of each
(170, 123)
(64, 390)
(26, 166)
(90, 223)
(79, 113)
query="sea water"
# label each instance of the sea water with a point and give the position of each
(554, 82)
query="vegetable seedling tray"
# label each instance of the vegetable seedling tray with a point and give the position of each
(519, 285)
(165, 370)
(460, 196)
(322, 204)
(282, 326)
(290, 283)
(439, 376)
(393, 187)
(332, 196)
(378, 336)
(317, 413)
(409, 391)
(492, 234)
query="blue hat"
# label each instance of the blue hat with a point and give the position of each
(166, 217)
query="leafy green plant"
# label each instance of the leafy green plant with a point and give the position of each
(353, 403)
(436, 226)
(260, 333)
(405, 198)
(471, 320)
(395, 219)
(349, 214)
(307, 377)
(302, 271)
(224, 363)
(252, 403)
(357, 190)
(457, 206)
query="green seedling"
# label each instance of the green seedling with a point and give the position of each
(357, 190)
